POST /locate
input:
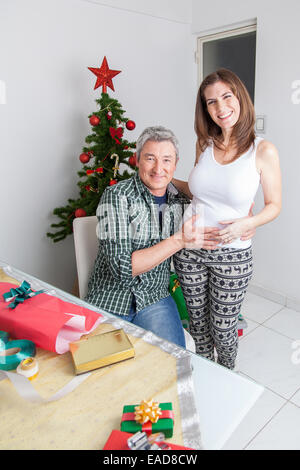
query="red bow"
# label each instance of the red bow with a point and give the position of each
(116, 133)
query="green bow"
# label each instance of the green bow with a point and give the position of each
(19, 294)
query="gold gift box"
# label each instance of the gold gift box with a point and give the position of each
(101, 350)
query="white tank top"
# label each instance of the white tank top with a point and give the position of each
(224, 192)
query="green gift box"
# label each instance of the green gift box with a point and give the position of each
(164, 424)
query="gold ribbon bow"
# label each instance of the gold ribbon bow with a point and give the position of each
(147, 411)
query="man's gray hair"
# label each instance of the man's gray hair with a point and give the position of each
(156, 134)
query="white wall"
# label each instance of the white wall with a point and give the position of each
(278, 37)
(174, 10)
(46, 48)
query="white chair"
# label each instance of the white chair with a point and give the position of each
(86, 248)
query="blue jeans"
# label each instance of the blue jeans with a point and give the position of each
(162, 318)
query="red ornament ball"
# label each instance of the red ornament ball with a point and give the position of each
(80, 213)
(132, 160)
(94, 120)
(112, 182)
(84, 158)
(130, 125)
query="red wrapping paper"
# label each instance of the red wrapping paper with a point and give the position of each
(118, 441)
(44, 320)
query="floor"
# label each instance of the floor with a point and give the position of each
(269, 353)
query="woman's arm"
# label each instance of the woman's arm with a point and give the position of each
(268, 164)
(270, 178)
(183, 187)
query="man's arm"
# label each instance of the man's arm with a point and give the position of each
(125, 264)
(148, 258)
(189, 236)
(113, 234)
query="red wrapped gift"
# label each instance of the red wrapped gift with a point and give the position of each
(118, 441)
(49, 322)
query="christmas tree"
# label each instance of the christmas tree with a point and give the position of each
(106, 149)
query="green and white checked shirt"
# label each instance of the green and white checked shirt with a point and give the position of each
(128, 221)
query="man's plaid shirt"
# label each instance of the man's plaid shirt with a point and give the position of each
(128, 221)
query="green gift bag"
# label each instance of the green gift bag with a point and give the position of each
(176, 293)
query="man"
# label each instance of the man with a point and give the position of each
(139, 230)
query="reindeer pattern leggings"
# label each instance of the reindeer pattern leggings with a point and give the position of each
(214, 284)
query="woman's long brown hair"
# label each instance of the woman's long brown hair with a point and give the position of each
(243, 134)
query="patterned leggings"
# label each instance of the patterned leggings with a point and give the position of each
(214, 284)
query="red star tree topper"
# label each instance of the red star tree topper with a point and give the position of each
(104, 75)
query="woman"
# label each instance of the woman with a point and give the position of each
(230, 163)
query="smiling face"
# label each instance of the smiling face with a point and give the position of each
(222, 105)
(156, 165)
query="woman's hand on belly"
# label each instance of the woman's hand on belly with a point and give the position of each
(236, 228)
(248, 234)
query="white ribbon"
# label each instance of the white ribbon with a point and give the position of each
(28, 392)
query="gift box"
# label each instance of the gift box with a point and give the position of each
(101, 350)
(48, 321)
(164, 424)
(118, 441)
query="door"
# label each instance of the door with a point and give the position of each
(234, 50)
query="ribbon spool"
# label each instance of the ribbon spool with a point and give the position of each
(29, 368)
(4, 337)
(13, 352)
